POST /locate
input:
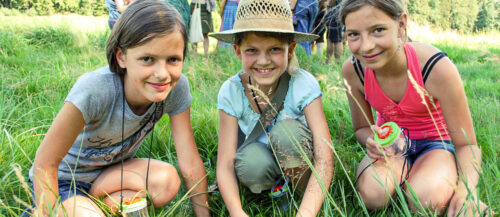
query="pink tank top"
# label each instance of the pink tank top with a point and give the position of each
(409, 112)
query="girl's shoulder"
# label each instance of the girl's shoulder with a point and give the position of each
(350, 75)
(303, 89)
(424, 51)
(99, 81)
(94, 92)
(232, 88)
(304, 76)
(231, 97)
(232, 83)
(440, 70)
(347, 68)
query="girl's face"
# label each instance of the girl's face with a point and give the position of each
(264, 58)
(374, 37)
(153, 68)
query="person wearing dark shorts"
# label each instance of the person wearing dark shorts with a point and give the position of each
(207, 26)
(319, 27)
(334, 34)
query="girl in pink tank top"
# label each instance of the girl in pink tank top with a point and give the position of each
(385, 74)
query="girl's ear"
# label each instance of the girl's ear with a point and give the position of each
(291, 49)
(120, 58)
(237, 50)
(403, 21)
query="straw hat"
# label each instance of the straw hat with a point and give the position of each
(263, 16)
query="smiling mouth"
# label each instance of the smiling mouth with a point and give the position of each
(159, 86)
(264, 71)
(371, 58)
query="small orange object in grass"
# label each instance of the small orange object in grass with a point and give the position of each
(129, 201)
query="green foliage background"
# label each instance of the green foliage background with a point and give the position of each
(41, 60)
(48, 7)
(462, 15)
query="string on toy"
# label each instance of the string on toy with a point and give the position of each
(122, 146)
(149, 155)
(121, 152)
(406, 152)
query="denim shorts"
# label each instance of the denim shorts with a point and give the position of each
(68, 189)
(111, 23)
(420, 147)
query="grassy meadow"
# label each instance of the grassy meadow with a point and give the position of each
(41, 58)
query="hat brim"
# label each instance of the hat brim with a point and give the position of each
(228, 35)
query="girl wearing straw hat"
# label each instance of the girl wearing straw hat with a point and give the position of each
(272, 125)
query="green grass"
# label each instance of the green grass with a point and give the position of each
(40, 61)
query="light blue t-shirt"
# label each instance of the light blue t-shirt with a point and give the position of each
(302, 90)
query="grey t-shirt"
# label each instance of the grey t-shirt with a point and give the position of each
(98, 95)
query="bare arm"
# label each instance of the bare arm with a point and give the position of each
(226, 177)
(323, 160)
(292, 4)
(445, 84)
(61, 135)
(190, 163)
(361, 113)
(222, 7)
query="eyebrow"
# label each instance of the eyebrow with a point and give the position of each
(147, 54)
(377, 25)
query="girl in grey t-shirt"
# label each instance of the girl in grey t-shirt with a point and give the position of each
(110, 111)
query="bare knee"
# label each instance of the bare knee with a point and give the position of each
(376, 184)
(79, 206)
(433, 195)
(373, 195)
(163, 184)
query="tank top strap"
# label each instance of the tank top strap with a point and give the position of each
(413, 63)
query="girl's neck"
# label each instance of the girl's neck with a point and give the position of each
(137, 107)
(396, 66)
(268, 90)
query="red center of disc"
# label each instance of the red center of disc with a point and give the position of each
(385, 132)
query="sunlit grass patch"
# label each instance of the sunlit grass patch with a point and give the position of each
(41, 58)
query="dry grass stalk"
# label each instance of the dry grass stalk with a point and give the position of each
(349, 91)
(422, 93)
(17, 169)
(260, 93)
(20, 201)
